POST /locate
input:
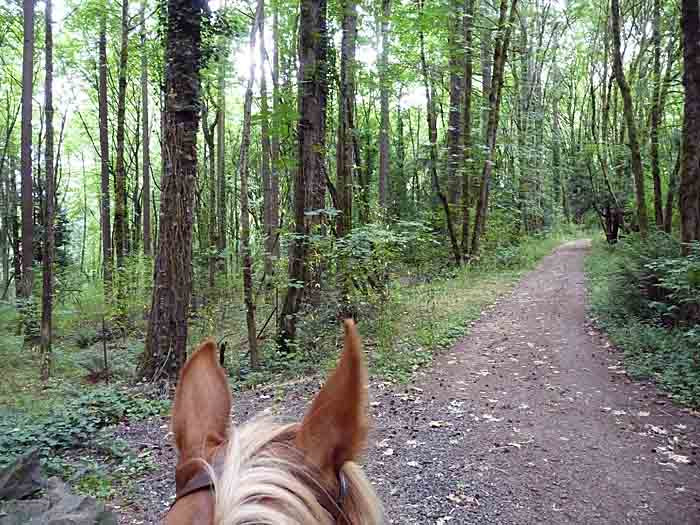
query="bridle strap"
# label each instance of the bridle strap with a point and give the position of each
(203, 481)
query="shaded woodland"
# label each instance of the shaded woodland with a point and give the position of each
(163, 164)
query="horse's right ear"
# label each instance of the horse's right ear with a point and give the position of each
(202, 407)
(334, 429)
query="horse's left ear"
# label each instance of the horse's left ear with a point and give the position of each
(334, 429)
(202, 407)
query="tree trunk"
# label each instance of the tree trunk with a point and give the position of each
(671, 194)
(221, 162)
(275, 138)
(48, 255)
(455, 155)
(166, 340)
(309, 180)
(689, 190)
(432, 135)
(499, 60)
(486, 68)
(145, 142)
(384, 109)
(26, 152)
(346, 119)
(243, 161)
(105, 214)
(210, 218)
(628, 109)
(468, 161)
(270, 230)
(120, 228)
(656, 116)
(399, 190)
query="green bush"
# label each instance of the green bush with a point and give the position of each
(75, 425)
(654, 282)
(643, 294)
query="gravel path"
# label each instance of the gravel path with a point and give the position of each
(530, 419)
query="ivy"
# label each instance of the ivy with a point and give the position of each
(75, 426)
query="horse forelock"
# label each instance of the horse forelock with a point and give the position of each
(262, 478)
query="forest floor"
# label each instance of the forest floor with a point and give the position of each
(530, 419)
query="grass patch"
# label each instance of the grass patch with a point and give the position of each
(670, 356)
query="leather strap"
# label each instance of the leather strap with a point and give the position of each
(202, 481)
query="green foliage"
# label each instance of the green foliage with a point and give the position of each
(654, 282)
(639, 291)
(73, 426)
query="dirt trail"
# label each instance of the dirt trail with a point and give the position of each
(530, 419)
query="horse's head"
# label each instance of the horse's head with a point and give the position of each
(262, 472)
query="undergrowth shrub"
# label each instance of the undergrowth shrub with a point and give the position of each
(645, 295)
(75, 425)
(654, 282)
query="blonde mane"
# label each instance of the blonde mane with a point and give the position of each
(255, 485)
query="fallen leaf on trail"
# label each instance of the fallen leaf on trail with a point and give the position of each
(670, 454)
(383, 443)
(680, 426)
(454, 499)
(444, 519)
(375, 403)
(438, 424)
(657, 430)
(413, 464)
(606, 409)
(530, 345)
(643, 413)
(388, 452)
(619, 413)
(493, 419)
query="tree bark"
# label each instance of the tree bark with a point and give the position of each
(499, 60)
(628, 109)
(48, 255)
(26, 152)
(345, 161)
(689, 190)
(384, 109)
(486, 70)
(120, 226)
(221, 162)
(656, 116)
(243, 161)
(468, 161)
(455, 154)
(275, 138)
(432, 135)
(269, 225)
(146, 139)
(166, 340)
(208, 132)
(671, 193)
(103, 109)
(309, 180)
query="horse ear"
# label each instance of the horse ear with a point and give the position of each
(201, 411)
(334, 429)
